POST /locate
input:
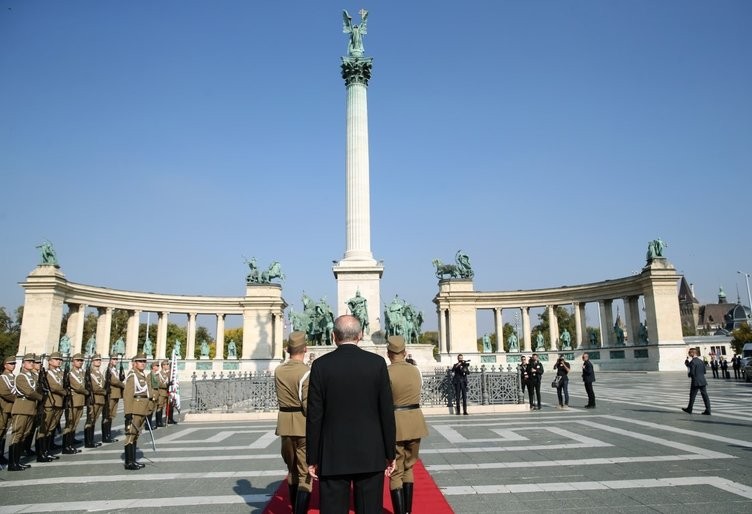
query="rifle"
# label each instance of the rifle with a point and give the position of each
(43, 388)
(121, 374)
(66, 385)
(87, 384)
(106, 407)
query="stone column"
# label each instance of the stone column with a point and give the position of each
(104, 327)
(164, 318)
(78, 328)
(499, 330)
(526, 344)
(262, 307)
(221, 333)
(131, 334)
(632, 309)
(190, 344)
(443, 315)
(607, 322)
(553, 327)
(278, 337)
(581, 322)
(44, 298)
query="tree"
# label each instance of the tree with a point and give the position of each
(432, 338)
(10, 332)
(740, 336)
(564, 320)
(235, 334)
(507, 331)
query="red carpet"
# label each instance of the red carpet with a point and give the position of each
(426, 498)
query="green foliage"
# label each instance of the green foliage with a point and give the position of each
(564, 320)
(430, 337)
(740, 336)
(202, 334)
(507, 331)
(235, 334)
(10, 332)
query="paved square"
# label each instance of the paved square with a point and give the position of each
(637, 452)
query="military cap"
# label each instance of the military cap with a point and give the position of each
(10, 359)
(154, 363)
(29, 357)
(139, 357)
(396, 344)
(164, 362)
(96, 356)
(55, 355)
(37, 358)
(296, 342)
(79, 356)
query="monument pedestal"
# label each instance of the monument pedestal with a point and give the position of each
(263, 309)
(364, 276)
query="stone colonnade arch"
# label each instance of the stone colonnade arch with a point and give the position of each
(457, 303)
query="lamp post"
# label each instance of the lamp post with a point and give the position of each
(749, 296)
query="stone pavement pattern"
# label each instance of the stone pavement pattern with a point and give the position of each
(637, 452)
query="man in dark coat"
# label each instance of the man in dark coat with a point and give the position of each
(696, 371)
(588, 377)
(350, 428)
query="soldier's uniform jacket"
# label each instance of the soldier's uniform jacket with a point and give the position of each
(7, 391)
(164, 379)
(137, 393)
(26, 394)
(406, 384)
(291, 380)
(153, 389)
(97, 386)
(57, 391)
(116, 385)
(77, 379)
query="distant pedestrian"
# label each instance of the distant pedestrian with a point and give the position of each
(588, 377)
(714, 367)
(460, 370)
(562, 386)
(724, 369)
(535, 375)
(523, 373)
(696, 371)
(736, 363)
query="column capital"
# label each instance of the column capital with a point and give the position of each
(356, 70)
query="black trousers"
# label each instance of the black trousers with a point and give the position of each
(533, 389)
(693, 393)
(368, 493)
(715, 372)
(460, 389)
(590, 394)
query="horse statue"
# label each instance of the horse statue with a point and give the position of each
(394, 317)
(412, 324)
(274, 271)
(445, 269)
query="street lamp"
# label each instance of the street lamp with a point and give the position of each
(749, 296)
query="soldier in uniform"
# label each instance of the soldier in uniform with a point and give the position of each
(94, 407)
(115, 392)
(7, 397)
(154, 392)
(164, 381)
(53, 408)
(23, 412)
(406, 382)
(78, 393)
(137, 396)
(291, 380)
(35, 370)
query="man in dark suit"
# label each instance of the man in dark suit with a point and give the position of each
(696, 371)
(350, 428)
(588, 377)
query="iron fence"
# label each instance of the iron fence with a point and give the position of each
(256, 392)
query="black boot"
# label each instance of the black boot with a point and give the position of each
(47, 452)
(27, 445)
(18, 454)
(3, 460)
(40, 449)
(107, 432)
(12, 464)
(130, 458)
(133, 453)
(293, 490)
(407, 490)
(51, 446)
(68, 448)
(151, 421)
(89, 438)
(302, 499)
(171, 418)
(398, 501)
(160, 421)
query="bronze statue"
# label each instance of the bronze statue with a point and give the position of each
(355, 44)
(359, 308)
(47, 253)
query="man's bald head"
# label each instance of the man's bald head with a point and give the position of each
(347, 329)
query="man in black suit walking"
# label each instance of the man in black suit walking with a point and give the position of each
(588, 377)
(350, 428)
(696, 371)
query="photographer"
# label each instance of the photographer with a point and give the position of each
(522, 368)
(562, 369)
(459, 378)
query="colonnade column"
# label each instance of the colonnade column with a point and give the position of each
(221, 334)
(443, 332)
(526, 335)
(553, 327)
(279, 337)
(162, 334)
(632, 318)
(75, 327)
(584, 339)
(499, 330)
(607, 322)
(190, 344)
(577, 325)
(104, 327)
(131, 334)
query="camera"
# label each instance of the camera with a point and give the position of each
(466, 363)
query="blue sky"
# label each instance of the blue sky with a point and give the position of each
(158, 143)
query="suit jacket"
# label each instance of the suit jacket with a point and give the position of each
(351, 427)
(291, 381)
(406, 384)
(534, 371)
(697, 373)
(588, 373)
